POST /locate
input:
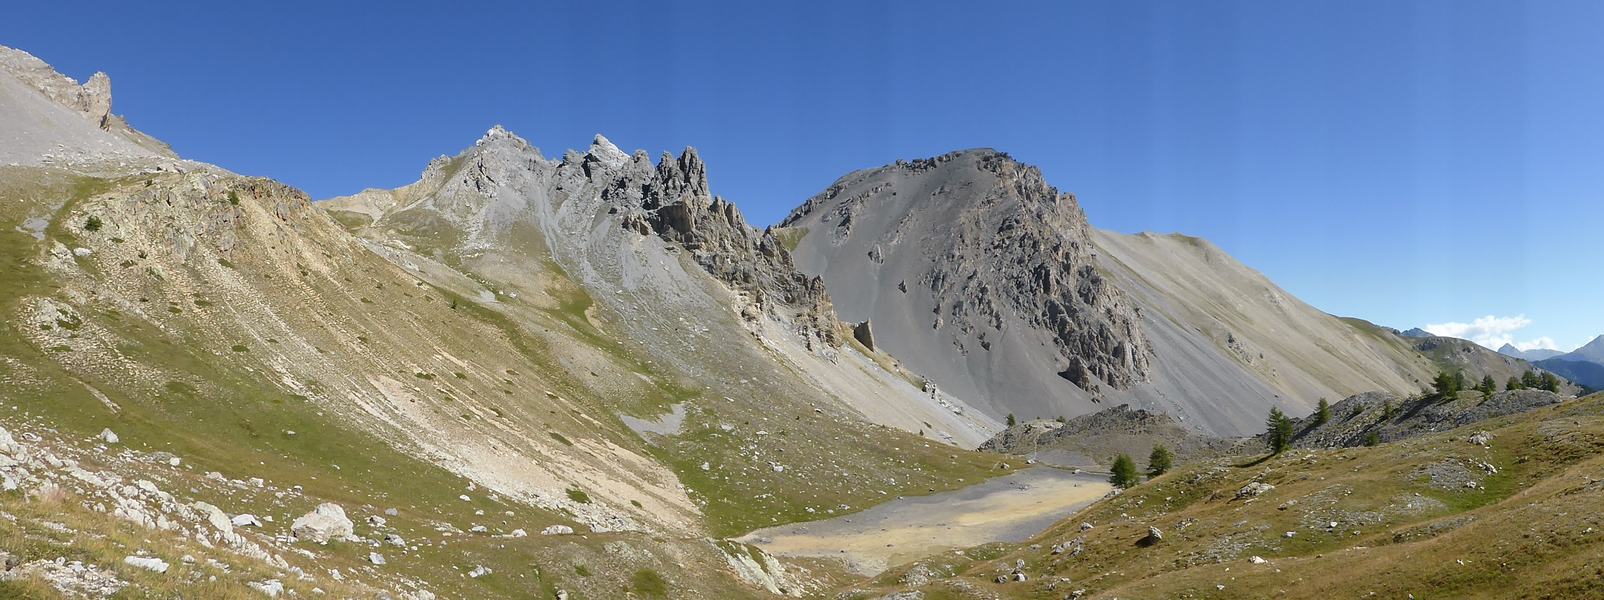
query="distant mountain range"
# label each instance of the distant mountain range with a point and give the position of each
(1591, 352)
(1584, 366)
(1533, 354)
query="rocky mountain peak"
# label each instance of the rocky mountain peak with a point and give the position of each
(602, 150)
(498, 139)
(989, 256)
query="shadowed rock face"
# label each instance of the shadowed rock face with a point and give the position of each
(968, 256)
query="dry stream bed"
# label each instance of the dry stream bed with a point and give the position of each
(1005, 509)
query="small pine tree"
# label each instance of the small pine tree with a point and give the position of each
(1011, 420)
(1549, 382)
(233, 198)
(1529, 380)
(1372, 438)
(1487, 386)
(1279, 428)
(92, 223)
(1513, 383)
(1322, 413)
(1446, 385)
(1159, 462)
(1388, 409)
(1123, 474)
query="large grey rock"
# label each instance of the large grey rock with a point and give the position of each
(326, 522)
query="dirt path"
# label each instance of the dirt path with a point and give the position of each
(1010, 508)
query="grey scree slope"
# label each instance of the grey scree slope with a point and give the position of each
(978, 275)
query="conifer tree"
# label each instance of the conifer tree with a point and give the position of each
(1123, 474)
(1159, 462)
(1279, 427)
(1487, 386)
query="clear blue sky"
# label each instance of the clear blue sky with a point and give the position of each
(1406, 162)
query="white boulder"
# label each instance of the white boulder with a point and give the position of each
(148, 563)
(326, 522)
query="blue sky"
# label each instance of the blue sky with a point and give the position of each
(1411, 163)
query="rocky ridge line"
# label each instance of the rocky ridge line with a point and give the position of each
(674, 203)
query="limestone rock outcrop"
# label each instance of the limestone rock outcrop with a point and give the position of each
(92, 99)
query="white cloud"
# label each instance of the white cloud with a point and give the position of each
(1492, 332)
(1542, 343)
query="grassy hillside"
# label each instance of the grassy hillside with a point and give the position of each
(1438, 516)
